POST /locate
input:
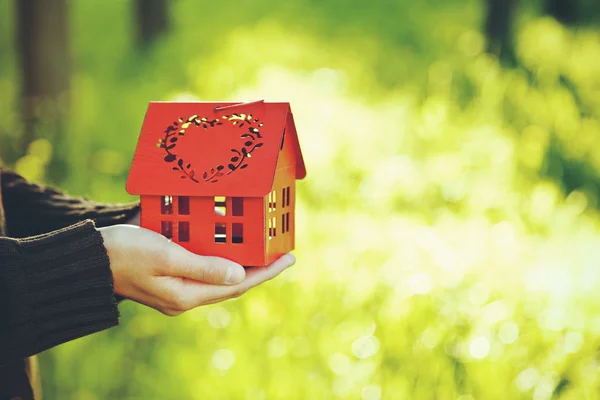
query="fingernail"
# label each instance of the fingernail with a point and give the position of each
(234, 275)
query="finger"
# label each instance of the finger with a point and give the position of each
(209, 294)
(211, 270)
(256, 276)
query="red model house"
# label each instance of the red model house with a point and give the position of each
(219, 178)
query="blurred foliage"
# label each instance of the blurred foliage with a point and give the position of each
(448, 231)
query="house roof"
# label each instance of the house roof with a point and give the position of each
(211, 149)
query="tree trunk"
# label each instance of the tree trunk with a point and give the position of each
(43, 47)
(564, 11)
(498, 28)
(152, 20)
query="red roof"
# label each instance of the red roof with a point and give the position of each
(211, 149)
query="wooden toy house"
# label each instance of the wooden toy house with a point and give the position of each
(219, 178)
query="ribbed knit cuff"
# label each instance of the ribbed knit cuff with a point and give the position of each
(32, 209)
(69, 283)
(112, 214)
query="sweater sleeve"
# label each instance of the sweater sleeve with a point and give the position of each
(32, 209)
(54, 288)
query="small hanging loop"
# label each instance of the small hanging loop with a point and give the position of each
(249, 103)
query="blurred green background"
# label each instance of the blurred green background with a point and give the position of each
(448, 235)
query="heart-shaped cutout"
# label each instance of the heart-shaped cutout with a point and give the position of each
(206, 150)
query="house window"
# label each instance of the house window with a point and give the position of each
(184, 232)
(272, 227)
(220, 233)
(166, 205)
(285, 222)
(237, 233)
(272, 201)
(183, 205)
(166, 229)
(237, 206)
(285, 197)
(220, 205)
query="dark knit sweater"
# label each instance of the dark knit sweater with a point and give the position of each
(55, 279)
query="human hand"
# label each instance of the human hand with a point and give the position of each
(154, 271)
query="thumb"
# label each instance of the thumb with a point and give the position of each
(213, 270)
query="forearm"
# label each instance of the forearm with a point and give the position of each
(54, 288)
(34, 209)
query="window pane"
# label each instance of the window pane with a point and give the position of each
(287, 222)
(283, 197)
(274, 227)
(287, 197)
(220, 205)
(237, 206)
(166, 205)
(184, 232)
(283, 223)
(270, 201)
(237, 233)
(184, 205)
(166, 229)
(220, 233)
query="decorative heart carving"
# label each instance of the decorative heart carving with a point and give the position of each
(238, 160)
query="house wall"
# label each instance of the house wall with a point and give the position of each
(251, 251)
(202, 220)
(285, 176)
